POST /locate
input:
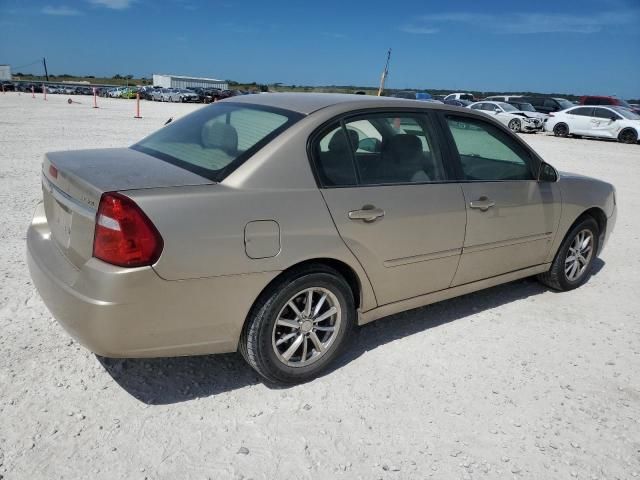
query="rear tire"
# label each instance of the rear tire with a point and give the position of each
(574, 260)
(274, 328)
(628, 135)
(561, 130)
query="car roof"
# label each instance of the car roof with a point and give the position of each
(307, 103)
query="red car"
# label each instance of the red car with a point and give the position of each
(597, 100)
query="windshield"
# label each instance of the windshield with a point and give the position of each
(507, 108)
(525, 107)
(214, 140)
(564, 103)
(628, 114)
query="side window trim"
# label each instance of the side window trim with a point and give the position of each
(352, 153)
(454, 158)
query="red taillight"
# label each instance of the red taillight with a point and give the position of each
(124, 235)
(53, 171)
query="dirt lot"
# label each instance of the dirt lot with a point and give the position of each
(513, 382)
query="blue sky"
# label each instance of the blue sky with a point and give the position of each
(572, 46)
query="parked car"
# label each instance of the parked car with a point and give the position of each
(8, 86)
(244, 226)
(208, 95)
(115, 92)
(413, 95)
(526, 107)
(516, 120)
(595, 100)
(502, 98)
(548, 104)
(156, 95)
(129, 92)
(146, 93)
(613, 122)
(183, 95)
(458, 103)
(84, 91)
(460, 96)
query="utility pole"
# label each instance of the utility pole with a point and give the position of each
(44, 62)
(385, 72)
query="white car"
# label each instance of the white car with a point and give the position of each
(115, 92)
(598, 121)
(502, 98)
(183, 95)
(516, 120)
(460, 96)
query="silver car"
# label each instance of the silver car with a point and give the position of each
(183, 95)
(516, 120)
(273, 224)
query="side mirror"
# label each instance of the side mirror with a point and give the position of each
(547, 173)
(496, 111)
(613, 119)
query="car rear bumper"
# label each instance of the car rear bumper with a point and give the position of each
(121, 312)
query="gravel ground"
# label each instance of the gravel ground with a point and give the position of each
(513, 382)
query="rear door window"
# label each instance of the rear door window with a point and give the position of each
(378, 149)
(605, 113)
(581, 111)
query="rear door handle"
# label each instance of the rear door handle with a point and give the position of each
(368, 214)
(483, 203)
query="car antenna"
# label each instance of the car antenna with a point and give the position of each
(385, 72)
(169, 121)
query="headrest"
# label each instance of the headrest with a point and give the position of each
(338, 142)
(220, 135)
(403, 145)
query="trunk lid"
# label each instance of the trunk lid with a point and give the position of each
(74, 181)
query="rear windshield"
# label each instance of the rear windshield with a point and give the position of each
(564, 103)
(628, 114)
(214, 140)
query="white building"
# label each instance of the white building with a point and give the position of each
(5, 72)
(178, 81)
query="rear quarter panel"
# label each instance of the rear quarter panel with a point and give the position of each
(203, 229)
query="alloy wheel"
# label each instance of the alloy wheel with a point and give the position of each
(561, 130)
(306, 327)
(628, 136)
(579, 255)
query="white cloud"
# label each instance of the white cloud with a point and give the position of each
(113, 4)
(419, 30)
(522, 23)
(60, 11)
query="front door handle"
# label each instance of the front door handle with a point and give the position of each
(368, 214)
(483, 203)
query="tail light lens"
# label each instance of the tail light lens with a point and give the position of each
(124, 235)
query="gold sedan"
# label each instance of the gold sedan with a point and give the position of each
(273, 224)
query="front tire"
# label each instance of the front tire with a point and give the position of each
(515, 126)
(573, 262)
(298, 326)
